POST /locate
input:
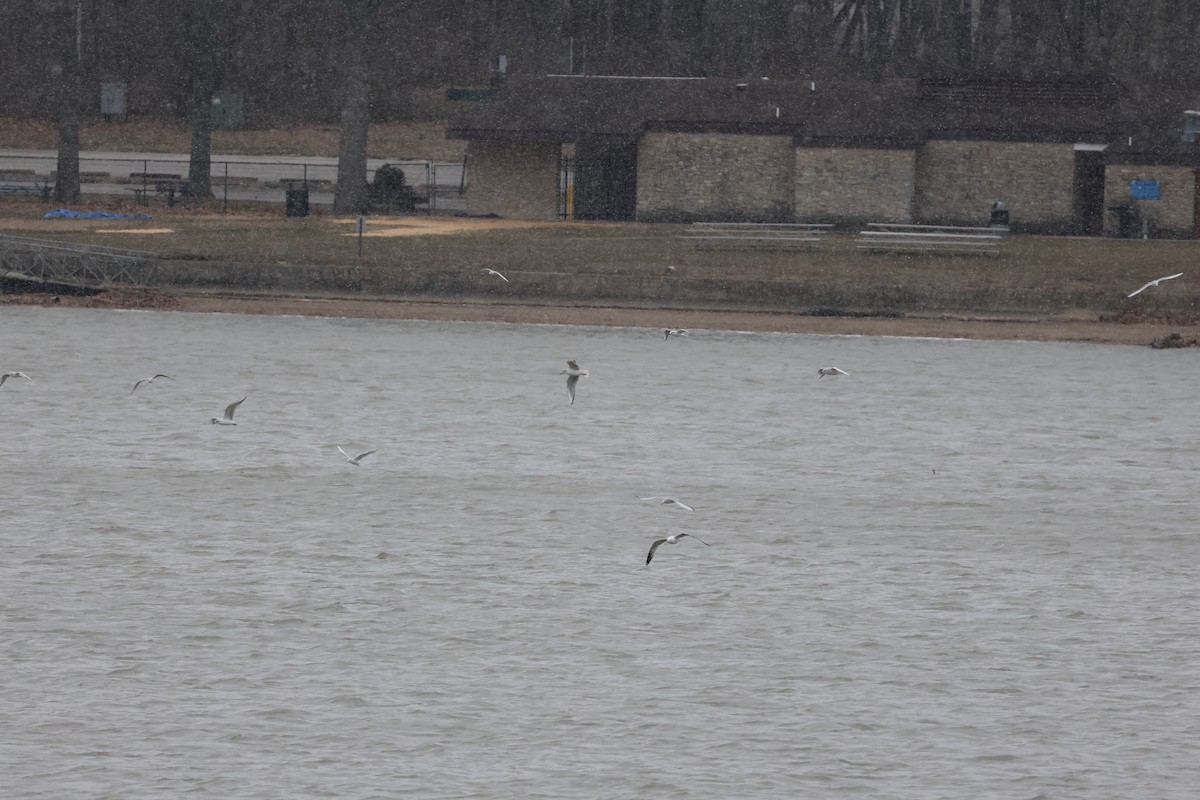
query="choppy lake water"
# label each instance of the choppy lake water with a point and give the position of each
(966, 570)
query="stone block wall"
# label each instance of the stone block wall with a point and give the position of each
(684, 177)
(957, 182)
(711, 176)
(518, 180)
(1172, 215)
(854, 184)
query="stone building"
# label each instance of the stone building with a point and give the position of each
(685, 149)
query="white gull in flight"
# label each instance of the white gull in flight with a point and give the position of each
(672, 540)
(228, 418)
(8, 375)
(669, 332)
(1155, 282)
(497, 274)
(823, 371)
(573, 373)
(355, 460)
(670, 501)
(150, 380)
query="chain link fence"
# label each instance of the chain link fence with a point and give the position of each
(438, 187)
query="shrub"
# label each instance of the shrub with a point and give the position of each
(391, 190)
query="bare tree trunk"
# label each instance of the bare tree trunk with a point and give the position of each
(350, 194)
(988, 36)
(200, 155)
(203, 46)
(964, 45)
(68, 101)
(1028, 27)
(809, 29)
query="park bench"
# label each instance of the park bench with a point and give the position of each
(755, 235)
(163, 183)
(38, 186)
(930, 239)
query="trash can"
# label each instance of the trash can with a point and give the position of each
(999, 214)
(296, 202)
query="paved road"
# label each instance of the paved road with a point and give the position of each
(259, 178)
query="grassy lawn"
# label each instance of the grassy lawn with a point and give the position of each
(1042, 263)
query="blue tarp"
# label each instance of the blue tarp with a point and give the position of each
(66, 213)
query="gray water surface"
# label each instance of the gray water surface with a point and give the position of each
(965, 570)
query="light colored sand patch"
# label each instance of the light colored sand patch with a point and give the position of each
(135, 230)
(433, 227)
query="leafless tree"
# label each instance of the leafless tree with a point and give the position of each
(68, 21)
(202, 36)
(350, 193)
(288, 58)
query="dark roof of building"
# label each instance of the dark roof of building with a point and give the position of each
(1156, 131)
(1170, 150)
(815, 112)
(1029, 111)
(568, 108)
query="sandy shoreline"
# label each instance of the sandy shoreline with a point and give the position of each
(1079, 327)
(942, 327)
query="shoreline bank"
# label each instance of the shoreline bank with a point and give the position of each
(1039, 289)
(1076, 327)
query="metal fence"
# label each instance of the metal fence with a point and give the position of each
(50, 261)
(439, 186)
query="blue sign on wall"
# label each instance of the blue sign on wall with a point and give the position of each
(1144, 190)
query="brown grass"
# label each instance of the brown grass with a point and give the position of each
(395, 140)
(1038, 263)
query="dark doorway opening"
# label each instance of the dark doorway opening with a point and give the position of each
(605, 180)
(1196, 206)
(566, 186)
(1089, 192)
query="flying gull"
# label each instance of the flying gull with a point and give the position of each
(229, 409)
(497, 274)
(573, 373)
(670, 501)
(8, 375)
(823, 371)
(1155, 282)
(150, 380)
(674, 539)
(669, 332)
(356, 460)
